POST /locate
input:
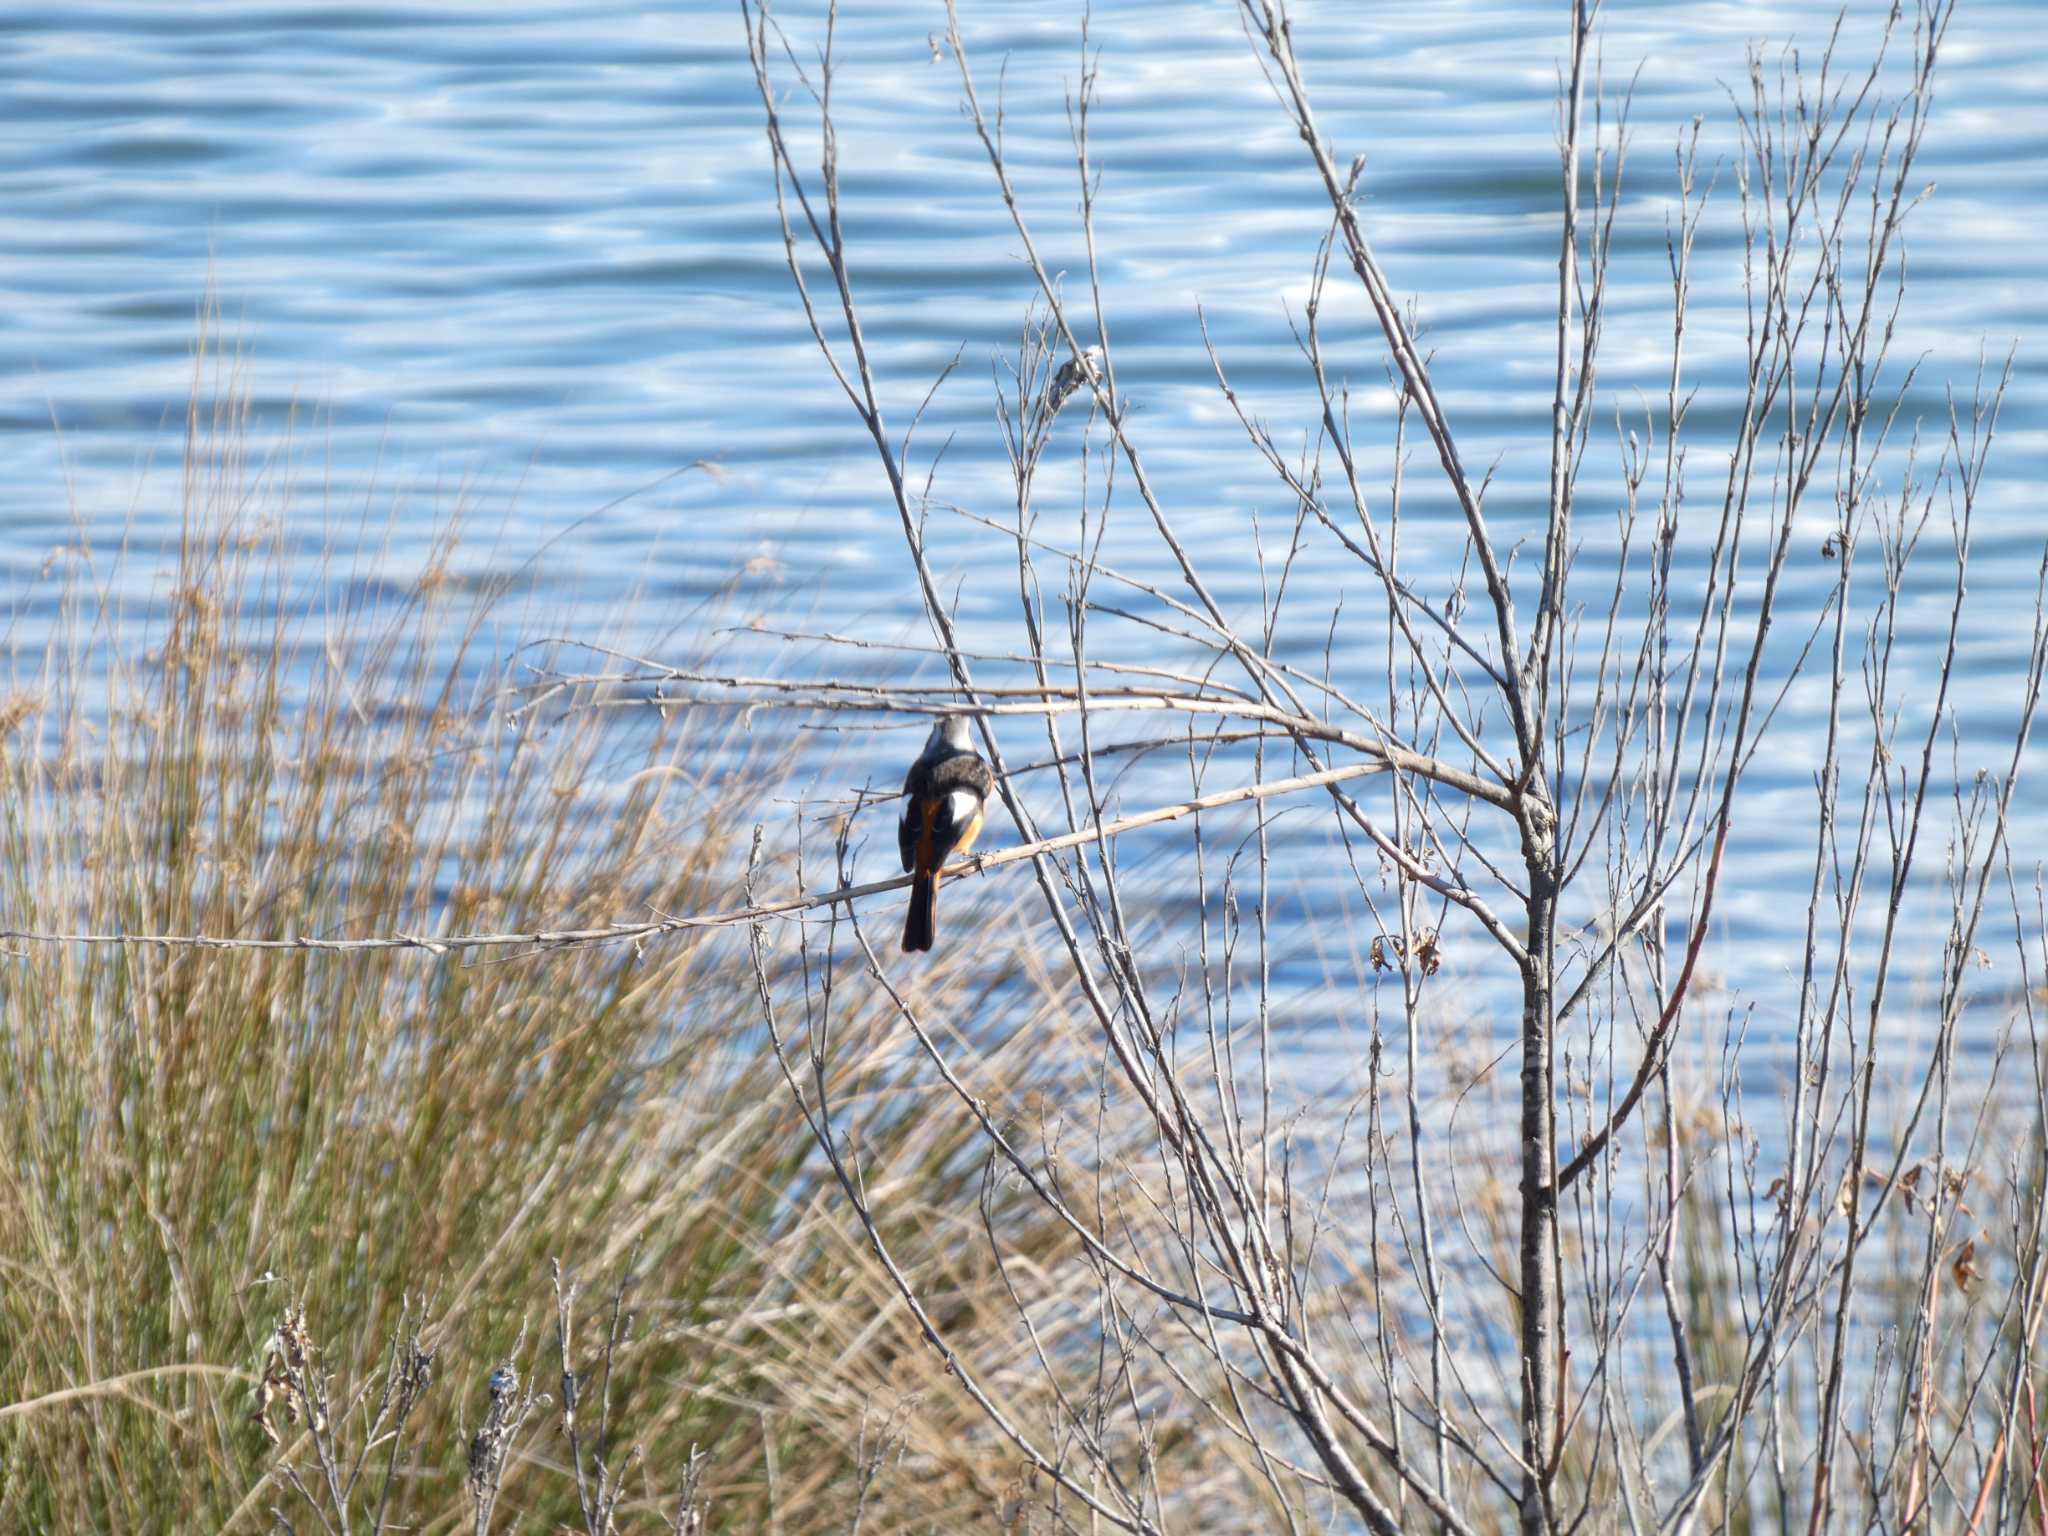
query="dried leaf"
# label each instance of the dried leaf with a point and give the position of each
(1909, 1185)
(1964, 1269)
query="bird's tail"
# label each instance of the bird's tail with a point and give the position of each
(918, 922)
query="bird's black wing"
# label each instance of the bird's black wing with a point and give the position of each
(963, 770)
(906, 826)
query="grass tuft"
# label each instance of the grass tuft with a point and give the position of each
(236, 1169)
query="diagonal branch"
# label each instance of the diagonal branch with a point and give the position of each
(541, 940)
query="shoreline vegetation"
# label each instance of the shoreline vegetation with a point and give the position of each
(301, 1234)
(441, 1098)
(277, 1217)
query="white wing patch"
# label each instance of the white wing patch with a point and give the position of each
(961, 804)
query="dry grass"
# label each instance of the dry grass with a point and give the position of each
(278, 1218)
(201, 1140)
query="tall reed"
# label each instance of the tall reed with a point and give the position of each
(209, 1145)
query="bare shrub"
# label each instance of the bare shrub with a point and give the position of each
(1621, 1292)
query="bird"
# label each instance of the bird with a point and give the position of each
(1074, 372)
(945, 796)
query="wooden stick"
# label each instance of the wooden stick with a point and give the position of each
(630, 933)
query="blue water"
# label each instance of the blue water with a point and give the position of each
(522, 262)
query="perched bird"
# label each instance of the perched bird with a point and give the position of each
(944, 799)
(1074, 372)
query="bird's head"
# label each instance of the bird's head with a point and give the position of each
(951, 734)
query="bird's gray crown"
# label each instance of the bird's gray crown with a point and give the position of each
(950, 735)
